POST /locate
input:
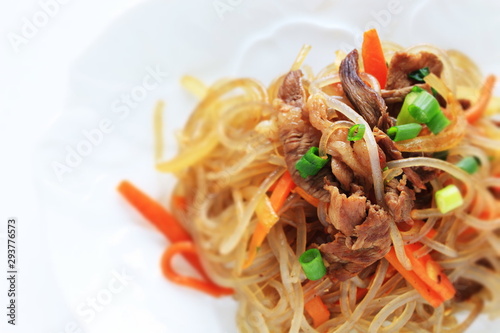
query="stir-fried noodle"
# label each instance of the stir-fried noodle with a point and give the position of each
(232, 154)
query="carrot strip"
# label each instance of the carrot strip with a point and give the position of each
(427, 292)
(267, 218)
(187, 247)
(153, 212)
(477, 110)
(160, 218)
(373, 57)
(281, 191)
(317, 310)
(430, 272)
(283, 187)
(306, 196)
(426, 269)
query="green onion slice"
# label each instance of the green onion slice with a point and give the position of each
(310, 163)
(418, 107)
(419, 74)
(356, 132)
(404, 132)
(448, 198)
(312, 264)
(438, 123)
(469, 164)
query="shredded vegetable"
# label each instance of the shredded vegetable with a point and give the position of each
(373, 56)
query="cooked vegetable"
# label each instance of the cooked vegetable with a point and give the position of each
(448, 198)
(356, 132)
(312, 264)
(469, 164)
(318, 311)
(188, 249)
(404, 132)
(419, 74)
(161, 219)
(310, 163)
(418, 107)
(430, 272)
(438, 123)
(373, 56)
(267, 214)
(477, 110)
(306, 196)
(429, 294)
(154, 212)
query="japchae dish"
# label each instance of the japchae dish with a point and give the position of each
(364, 197)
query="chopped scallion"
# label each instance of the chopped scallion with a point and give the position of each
(448, 198)
(312, 264)
(423, 107)
(469, 164)
(310, 163)
(404, 132)
(404, 117)
(356, 132)
(438, 123)
(419, 74)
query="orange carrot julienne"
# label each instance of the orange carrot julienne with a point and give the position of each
(206, 286)
(281, 191)
(154, 212)
(477, 110)
(306, 196)
(430, 272)
(427, 292)
(373, 57)
(427, 269)
(267, 217)
(160, 218)
(317, 310)
(283, 187)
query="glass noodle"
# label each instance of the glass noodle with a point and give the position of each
(230, 155)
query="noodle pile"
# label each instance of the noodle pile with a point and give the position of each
(230, 156)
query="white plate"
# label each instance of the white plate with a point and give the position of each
(144, 54)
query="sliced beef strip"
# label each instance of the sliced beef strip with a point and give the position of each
(353, 155)
(398, 95)
(291, 91)
(400, 200)
(403, 63)
(393, 153)
(367, 102)
(370, 241)
(297, 135)
(342, 172)
(346, 212)
(426, 174)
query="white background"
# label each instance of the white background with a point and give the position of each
(33, 88)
